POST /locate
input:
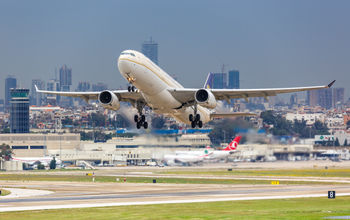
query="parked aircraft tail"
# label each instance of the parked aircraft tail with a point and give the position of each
(234, 143)
(209, 82)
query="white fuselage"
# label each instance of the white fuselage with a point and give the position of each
(31, 160)
(154, 84)
(212, 154)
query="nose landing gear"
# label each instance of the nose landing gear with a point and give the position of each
(131, 89)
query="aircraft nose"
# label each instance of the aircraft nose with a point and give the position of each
(124, 66)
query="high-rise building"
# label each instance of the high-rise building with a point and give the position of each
(36, 98)
(219, 80)
(325, 98)
(233, 79)
(312, 97)
(65, 83)
(53, 85)
(2, 105)
(10, 82)
(83, 86)
(338, 96)
(65, 78)
(99, 87)
(322, 97)
(293, 99)
(150, 50)
(19, 111)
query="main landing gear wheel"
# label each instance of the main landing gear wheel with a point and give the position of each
(140, 119)
(200, 124)
(196, 119)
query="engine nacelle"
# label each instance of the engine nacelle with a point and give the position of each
(109, 100)
(205, 98)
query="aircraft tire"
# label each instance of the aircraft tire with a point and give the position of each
(145, 125)
(136, 118)
(193, 124)
(138, 125)
(190, 117)
(200, 124)
(143, 118)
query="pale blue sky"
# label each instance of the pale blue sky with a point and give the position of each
(273, 43)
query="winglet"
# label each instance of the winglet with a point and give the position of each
(36, 88)
(331, 84)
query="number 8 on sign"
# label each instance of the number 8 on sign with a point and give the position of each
(331, 194)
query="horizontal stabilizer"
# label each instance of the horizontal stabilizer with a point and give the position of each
(230, 115)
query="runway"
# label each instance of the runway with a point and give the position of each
(80, 195)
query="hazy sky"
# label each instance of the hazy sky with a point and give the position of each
(273, 43)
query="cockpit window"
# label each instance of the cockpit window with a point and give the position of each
(125, 53)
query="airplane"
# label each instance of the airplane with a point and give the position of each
(215, 154)
(153, 87)
(171, 159)
(32, 160)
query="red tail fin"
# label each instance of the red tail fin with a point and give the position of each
(233, 145)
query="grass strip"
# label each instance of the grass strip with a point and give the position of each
(4, 192)
(173, 180)
(290, 172)
(305, 208)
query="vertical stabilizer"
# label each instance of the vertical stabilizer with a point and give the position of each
(233, 145)
(209, 82)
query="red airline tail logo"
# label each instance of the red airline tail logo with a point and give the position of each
(233, 145)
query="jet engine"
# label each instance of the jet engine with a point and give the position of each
(205, 98)
(109, 100)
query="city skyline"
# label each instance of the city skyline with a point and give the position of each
(290, 43)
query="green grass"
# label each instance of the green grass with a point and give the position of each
(306, 208)
(84, 178)
(289, 172)
(4, 192)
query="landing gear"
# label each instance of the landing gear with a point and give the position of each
(131, 89)
(140, 119)
(195, 119)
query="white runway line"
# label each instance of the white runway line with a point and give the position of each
(70, 206)
(17, 193)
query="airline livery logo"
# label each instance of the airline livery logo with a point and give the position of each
(233, 145)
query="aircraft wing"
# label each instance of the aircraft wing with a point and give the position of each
(123, 95)
(186, 96)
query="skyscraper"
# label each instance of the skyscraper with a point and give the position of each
(150, 50)
(325, 98)
(65, 83)
(65, 78)
(219, 80)
(99, 86)
(53, 85)
(312, 97)
(83, 86)
(233, 79)
(10, 82)
(36, 98)
(19, 111)
(322, 97)
(338, 96)
(2, 105)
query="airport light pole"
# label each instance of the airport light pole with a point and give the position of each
(60, 135)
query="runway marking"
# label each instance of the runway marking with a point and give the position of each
(70, 206)
(17, 193)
